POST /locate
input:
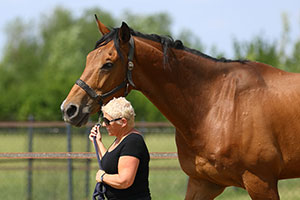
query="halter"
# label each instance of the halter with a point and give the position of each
(128, 79)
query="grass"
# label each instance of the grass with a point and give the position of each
(50, 181)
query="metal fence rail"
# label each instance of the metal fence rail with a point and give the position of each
(73, 155)
(43, 124)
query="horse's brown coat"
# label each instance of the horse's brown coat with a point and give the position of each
(237, 123)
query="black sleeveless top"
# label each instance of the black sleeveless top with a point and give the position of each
(132, 145)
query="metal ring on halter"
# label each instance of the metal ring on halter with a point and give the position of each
(130, 65)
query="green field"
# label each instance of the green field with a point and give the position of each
(50, 177)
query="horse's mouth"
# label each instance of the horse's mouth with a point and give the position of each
(83, 121)
(79, 120)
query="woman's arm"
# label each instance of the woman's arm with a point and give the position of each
(127, 168)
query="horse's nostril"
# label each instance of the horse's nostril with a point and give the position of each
(72, 111)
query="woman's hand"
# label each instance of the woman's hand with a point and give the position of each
(99, 174)
(95, 132)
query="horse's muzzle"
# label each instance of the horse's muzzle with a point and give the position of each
(74, 114)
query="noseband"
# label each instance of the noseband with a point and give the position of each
(128, 80)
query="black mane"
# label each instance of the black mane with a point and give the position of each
(165, 41)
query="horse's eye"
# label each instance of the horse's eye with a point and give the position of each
(107, 66)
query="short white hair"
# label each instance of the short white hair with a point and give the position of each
(119, 108)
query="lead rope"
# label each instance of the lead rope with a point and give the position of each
(100, 189)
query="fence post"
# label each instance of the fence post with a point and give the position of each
(143, 129)
(30, 161)
(70, 169)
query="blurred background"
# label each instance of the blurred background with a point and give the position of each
(43, 46)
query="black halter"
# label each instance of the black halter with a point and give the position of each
(128, 80)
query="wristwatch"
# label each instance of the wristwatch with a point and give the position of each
(101, 178)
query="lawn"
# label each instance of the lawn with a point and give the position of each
(50, 177)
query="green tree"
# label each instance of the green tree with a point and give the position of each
(190, 40)
(42, 60)
(272, 52)
(19, 68)
(292, 63)
(259, 49)
(39, 67)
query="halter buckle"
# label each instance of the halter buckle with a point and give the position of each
(130, 65)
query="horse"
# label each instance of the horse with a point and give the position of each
(237, 122)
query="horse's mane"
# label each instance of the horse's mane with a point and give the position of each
(166, 42)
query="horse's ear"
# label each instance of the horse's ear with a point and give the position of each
(102, 28)
(124, 33)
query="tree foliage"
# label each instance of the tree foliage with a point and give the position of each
(38, 69)
(42, 60)
(274, 53)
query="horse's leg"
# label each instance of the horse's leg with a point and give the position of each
(202, 190)
(260, 188)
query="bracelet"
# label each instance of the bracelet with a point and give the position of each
(101, 178)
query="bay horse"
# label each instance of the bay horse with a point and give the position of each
(237, 121)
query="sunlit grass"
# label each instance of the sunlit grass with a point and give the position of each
(50, 177)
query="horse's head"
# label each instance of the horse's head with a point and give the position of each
(107, 74)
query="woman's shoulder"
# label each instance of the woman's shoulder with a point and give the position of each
(134, 145)
(134, 140)
(135, 136)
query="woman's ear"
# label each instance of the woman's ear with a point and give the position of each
(124, 122)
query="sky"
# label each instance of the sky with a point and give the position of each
(215, 22)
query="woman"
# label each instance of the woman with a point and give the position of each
(126, 162)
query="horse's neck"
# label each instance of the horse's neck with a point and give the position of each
(173, 89)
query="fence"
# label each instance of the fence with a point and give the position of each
(13, 158)
(52, 160)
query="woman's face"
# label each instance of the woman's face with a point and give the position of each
(113, 128)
